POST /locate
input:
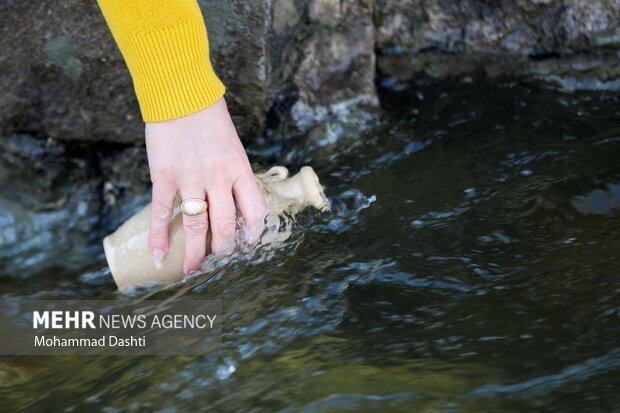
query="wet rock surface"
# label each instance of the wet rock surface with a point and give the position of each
(57, 199)
(568, 74)
(566, 43)
(337, 71)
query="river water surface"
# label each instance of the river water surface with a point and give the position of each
(471, 263)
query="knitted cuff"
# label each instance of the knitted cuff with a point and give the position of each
(171, 69)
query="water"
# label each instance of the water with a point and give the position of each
(470, 264)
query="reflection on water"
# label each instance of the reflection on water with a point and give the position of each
(470, 263)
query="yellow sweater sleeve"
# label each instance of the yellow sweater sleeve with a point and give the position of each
(165, 46)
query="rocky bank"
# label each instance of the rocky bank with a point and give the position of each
(70, 130)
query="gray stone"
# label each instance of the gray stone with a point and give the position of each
(545, 40)
(239, 36)
(337, 71)
(49, 206)
(62, 74)
(59, 199)
(515, 26)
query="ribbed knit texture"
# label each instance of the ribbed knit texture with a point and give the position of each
(167, 52)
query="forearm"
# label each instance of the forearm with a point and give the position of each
(165, 46)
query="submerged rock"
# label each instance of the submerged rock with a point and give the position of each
(58, 200)
(48, 206)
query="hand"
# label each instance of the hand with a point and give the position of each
(201, 156)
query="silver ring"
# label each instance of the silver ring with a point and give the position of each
(194, 206)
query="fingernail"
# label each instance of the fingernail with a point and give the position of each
(257, 232)
(159, 254)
